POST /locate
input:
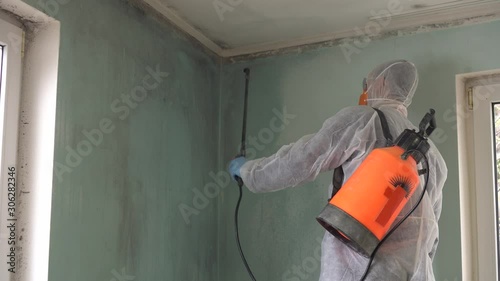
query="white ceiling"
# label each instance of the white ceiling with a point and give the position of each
(235, 27)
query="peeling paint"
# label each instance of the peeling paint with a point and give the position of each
(383, 35)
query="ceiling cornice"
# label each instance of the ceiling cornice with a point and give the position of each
(184, 26)
(438, 16)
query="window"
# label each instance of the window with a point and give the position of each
(10, 82)
(482, 126)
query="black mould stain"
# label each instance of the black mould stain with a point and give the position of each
(347, 40)
(129, 235)
(419, 6)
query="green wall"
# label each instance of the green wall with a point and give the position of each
(279, 231)
(116, 212)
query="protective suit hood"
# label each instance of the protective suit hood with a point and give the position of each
(392, 84)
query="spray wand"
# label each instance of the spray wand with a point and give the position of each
(238, 179)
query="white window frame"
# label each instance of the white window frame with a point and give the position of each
(477, 205)
(36, 138)
(11, 39)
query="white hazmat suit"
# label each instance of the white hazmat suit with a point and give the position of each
(345, 140)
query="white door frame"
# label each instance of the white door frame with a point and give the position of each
(466, 166)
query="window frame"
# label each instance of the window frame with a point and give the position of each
(485, 176)
(477, 210)
(10, 95)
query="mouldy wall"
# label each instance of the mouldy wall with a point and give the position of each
(116, 209)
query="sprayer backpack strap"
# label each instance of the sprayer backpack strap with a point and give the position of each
(385, 127)
(338, 173)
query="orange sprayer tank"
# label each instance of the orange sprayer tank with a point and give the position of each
(363, 210)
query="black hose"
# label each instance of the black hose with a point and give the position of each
(238, 234)
(238, 179)
(372, 257)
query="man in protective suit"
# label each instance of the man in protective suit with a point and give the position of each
(345, 140)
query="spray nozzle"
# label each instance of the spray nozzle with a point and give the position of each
(410, 140)
(428, 124)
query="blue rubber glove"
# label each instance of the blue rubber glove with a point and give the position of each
(235, 166)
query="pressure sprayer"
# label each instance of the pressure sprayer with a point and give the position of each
(361, 213)
(238, 179)
(363, 210)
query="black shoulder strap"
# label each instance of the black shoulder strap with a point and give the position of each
(337, 181)
(338, 173)
(385, 127)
